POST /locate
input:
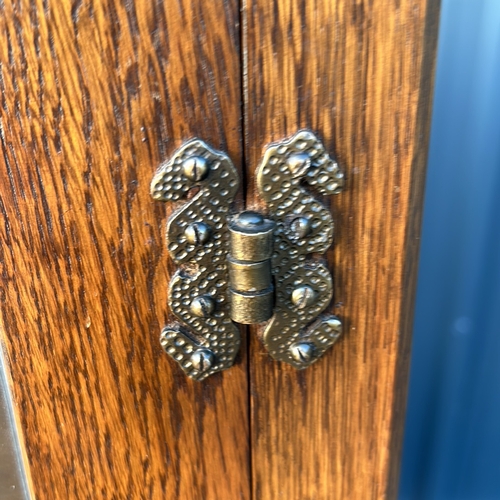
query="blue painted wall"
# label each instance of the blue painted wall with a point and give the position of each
(452, 438)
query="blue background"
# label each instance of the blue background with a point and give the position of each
(452, 436)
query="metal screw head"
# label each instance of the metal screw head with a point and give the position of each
(197, 233)
(298, 163)
(303, 296)
(301, 227)
(195, 168)
(202, 360)
(335, 324)
(202, 306)
(302, 352)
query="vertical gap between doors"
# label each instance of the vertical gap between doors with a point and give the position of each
(244, 128)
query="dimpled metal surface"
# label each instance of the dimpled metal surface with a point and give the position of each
(285, 167)
(204, 270)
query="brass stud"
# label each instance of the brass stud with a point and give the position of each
(302, 352)
(301, 227)
(202, 360)
(195, 168)
(202, 306)
(197, 233)
(303, 296)
(335, 324)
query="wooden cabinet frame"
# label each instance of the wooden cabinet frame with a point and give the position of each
(94, 95)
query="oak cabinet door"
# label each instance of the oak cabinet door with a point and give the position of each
(360, 75)
(95, 94)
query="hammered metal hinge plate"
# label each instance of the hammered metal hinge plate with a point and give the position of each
(249, 267)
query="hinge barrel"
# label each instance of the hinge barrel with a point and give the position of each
(251, 290)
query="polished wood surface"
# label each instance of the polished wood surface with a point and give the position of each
(359, 74)
(94, 95)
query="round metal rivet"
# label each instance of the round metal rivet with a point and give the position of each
(303, 296)
(202, 306)
(202, 360)
(335, 324)
(301, 227)
(195, 168)
(197, 233)
(302, 352)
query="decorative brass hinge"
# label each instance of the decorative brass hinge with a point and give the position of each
(249, 268)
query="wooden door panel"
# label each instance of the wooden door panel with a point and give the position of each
(359, 74)
(94, 95)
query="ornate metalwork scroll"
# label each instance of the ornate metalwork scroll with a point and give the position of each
(246, 267)
(303, 227)
(204, 340)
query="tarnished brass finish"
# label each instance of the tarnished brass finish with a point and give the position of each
(251, 237)
(251, 308)
(249, 276)
(205, 340)
(303, 227)
(247, 267)
(250, 280)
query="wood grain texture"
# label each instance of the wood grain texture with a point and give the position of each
(359, 74)
(94, 95)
